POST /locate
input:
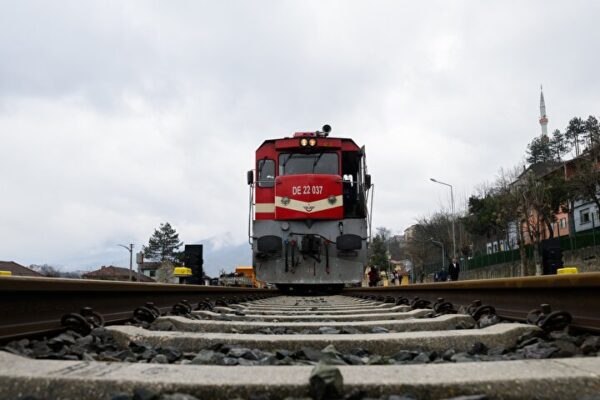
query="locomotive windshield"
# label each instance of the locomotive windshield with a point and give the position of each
(315, 163)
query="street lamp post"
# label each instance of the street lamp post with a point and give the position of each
(452, 200)
(130, 250)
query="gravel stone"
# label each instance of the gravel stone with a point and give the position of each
(207, 357)
(246, 363)
(269, 360)
(64, 338)
(139, 347)
(360, 352)
(285, 361)
(404, 355)
(496, 351)
(122, 355)
(41, 350)
(309, 353)
(478, 348)
(462, 357)
(324, 330)
(283, 354)
(376, 359)
(590, 344)
(562, 335)
(177, 396)
(566, 348)
(85, 340)
(422, 358)
(148, 354)
(229, 361)
(326, 382)
(143, 394)
(238, 352)
(171, 353)
(353, 360)
(100, 333)
(331, 350)
(160, 359)
(538, 350)
(379, 329)
(254, 355)
(448, 354)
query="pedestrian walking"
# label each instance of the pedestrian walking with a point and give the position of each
(454, 270)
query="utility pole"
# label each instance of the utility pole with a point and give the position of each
(130, 250)
(452, 200)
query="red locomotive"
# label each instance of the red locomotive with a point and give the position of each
(309, 220)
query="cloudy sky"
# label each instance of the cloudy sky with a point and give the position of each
(116, 116)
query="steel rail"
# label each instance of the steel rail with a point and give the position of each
(513, 298)
(33, 306)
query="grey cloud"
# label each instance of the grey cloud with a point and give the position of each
(115, 117)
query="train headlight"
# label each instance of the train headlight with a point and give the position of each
(312, 142)
(332, 199)
(303, 142)
(285, 226)
(285, 201)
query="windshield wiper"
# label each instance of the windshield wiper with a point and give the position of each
(316, 162)
(288, 159)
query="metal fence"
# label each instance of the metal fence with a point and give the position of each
(589, 238)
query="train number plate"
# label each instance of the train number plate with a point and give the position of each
(307, 189)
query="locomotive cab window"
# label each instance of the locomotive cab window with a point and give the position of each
(266, 173)
(354, 206)
(314, 163)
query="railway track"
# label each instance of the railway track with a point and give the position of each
(366, 343)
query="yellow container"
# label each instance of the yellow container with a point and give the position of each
(567, 270)
(182, 271)
(5, 273)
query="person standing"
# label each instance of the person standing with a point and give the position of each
(373, 277)
(454, 270)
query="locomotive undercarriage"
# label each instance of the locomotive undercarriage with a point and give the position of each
(310, 254)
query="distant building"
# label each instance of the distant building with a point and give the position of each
(586, 215)
(17, 269)
(112, 273)
(149, 268)
(409, 233)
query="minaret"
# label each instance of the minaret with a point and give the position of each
(543, 116)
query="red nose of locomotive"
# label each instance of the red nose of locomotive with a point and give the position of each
(308, 196)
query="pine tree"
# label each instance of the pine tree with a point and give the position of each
(592, 129)
(539, 150)
(558, 145)
(163, 244)
(575, 133)
(378, 250)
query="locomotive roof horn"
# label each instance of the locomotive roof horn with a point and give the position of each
(326, 129)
